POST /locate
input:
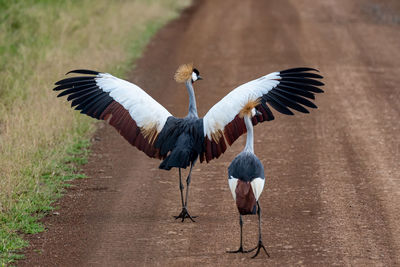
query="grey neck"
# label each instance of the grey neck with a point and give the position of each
(192, 100)
(249, 141)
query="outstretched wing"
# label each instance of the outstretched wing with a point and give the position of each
(135, 114)
(280, 90)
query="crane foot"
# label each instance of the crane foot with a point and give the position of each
(258, 247)
(185, 214)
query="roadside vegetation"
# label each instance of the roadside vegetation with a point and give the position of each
(42, 141)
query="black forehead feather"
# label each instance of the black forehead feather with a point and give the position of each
(196, 71)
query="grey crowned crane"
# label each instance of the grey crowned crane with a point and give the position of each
(179, 142)
(246, 178)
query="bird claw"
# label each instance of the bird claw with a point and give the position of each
(258, 247)
(185, 214)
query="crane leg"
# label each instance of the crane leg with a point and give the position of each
(241, 239)
(181, 186)
(260, 243)
(188, 180)
(184, 213)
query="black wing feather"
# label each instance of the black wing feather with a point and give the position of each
(297, 98)
(85, 98)
(61, 87)
(295, 85)
(295, 90)
(84, 93)
(303, 86)
(96, 110)
(81, 93)
(301, 75)
(75, 89)
(74, 79)
(75, 83)
(298, 70)
(303, 80)
(101, 107)
(289, 102)
(84, 106)
(276, 104)
(83, 71)
(269, 112)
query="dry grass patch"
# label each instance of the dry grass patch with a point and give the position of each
(39, 41)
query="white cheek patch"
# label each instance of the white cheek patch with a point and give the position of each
(253, 112)
(194, 76)
(232, 186)
(257, 185)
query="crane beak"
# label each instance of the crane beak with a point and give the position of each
(258, 113)
(199, 78)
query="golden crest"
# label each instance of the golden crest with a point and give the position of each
(184, 73)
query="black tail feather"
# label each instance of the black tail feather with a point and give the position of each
(177, 159)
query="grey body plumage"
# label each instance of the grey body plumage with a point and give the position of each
(183, 138)
(246, 167)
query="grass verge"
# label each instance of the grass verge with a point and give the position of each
(42, 141)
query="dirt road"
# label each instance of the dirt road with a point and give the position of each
(332, 195)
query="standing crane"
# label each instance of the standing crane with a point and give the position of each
(246, 178)
(179, 142)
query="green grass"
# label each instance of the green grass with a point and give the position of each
(43, 142)
(25, 214)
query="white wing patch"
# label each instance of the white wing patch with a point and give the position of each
(143, 108)
(232, 186)
(257, 185)
(228, 107)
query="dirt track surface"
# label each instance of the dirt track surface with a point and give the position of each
(333, 188)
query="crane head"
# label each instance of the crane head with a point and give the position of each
(187, 72)
(249, 109)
